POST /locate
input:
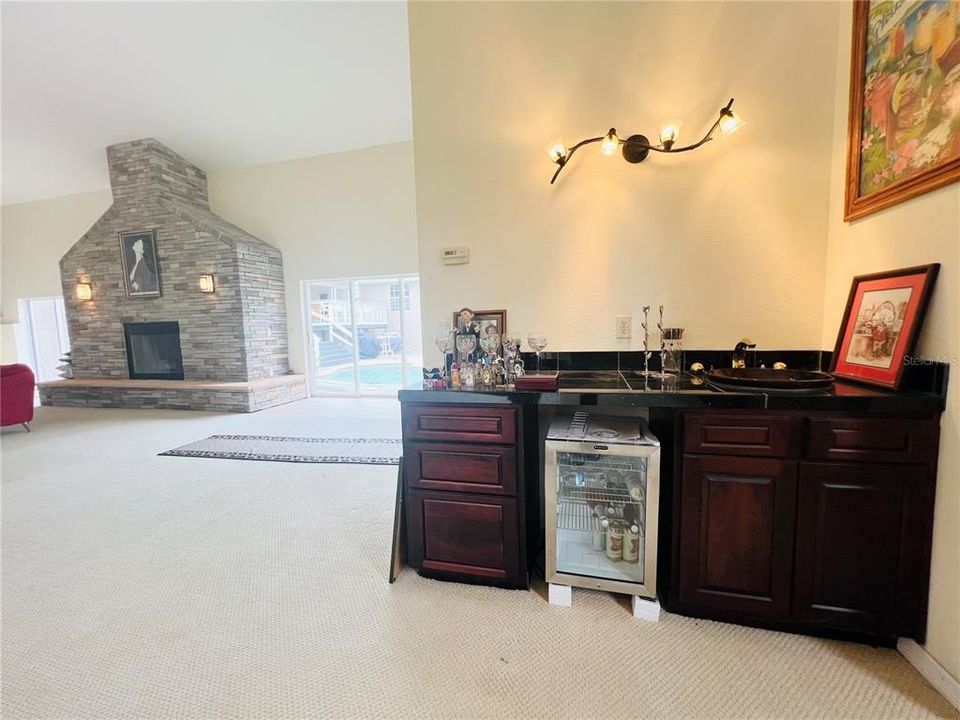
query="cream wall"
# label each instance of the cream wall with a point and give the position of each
(349, 213)
(33, 238)
(336, 215)
(919, 231)
(731, 238)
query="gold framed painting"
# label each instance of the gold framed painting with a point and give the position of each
(903, 134)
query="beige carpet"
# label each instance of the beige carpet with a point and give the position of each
(144, 586)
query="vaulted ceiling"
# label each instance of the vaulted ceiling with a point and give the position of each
(225, 84)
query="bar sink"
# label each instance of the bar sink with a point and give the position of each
(770, 378)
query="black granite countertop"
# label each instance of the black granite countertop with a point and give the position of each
(625, 388)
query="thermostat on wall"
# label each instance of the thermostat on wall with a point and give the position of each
(455, 255)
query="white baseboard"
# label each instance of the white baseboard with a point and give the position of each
(944, 682)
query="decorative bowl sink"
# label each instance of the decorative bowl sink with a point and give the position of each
(769, 378)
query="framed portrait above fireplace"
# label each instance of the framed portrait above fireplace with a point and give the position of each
(141, 269)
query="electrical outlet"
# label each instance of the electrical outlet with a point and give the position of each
(623, 326)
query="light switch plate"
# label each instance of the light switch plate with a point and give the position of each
(623, 326)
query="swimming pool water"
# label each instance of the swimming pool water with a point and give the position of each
(369, 375)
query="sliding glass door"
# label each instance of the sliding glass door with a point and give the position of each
(364, 334)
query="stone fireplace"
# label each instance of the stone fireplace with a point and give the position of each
(176, 346)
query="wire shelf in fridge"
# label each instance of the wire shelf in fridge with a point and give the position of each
(616, 495)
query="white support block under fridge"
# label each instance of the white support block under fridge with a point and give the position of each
(644, 609)
(560, 595)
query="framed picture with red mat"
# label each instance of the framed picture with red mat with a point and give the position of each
(884, 314)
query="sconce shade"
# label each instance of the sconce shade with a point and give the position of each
(670, 132)
(84, 291)
(206, 284)
(730, 122)
(611, 143)
(557, 150)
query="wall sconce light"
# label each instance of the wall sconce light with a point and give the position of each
(84, 291)
(206, 284)
(636, 147)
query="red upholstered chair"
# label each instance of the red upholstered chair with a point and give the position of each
(16, 395)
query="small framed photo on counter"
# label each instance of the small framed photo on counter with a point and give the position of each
(480, 321)
(882, 320)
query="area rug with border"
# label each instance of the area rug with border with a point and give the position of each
(360, 451)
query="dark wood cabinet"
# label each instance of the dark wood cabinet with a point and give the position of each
(465, 493)
(817, 522)
(858, 546)
(464, 534)
(736, 533)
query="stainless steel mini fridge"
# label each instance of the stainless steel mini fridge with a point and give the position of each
(602, 489)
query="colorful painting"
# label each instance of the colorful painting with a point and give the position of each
(880, 326)
(905, 101)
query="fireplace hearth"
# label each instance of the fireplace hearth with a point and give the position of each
(153, 350)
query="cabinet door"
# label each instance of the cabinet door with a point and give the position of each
(737, 518)
(460, 534)
(861, 546)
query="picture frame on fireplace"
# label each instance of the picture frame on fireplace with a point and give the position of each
(141, 269)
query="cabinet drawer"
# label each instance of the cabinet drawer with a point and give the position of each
(906, 440)
(460, 423)
(459, 534)
(744, 435)
(488, 469)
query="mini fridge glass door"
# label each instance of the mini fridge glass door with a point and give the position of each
(602, 516)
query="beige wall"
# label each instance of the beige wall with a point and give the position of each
(33, 238)
(731, 238)
(919, 231)
(334, 215)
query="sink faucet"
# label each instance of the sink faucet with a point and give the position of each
(740, 352)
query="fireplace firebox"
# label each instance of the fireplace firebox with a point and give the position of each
(153, 350)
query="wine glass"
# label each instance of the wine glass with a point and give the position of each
(444, 341)
(537, 342)
(466, 344)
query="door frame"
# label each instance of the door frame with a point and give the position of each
(351, 281)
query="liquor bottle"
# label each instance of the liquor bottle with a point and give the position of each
(600, 525)
(631, 544)
(615, 541)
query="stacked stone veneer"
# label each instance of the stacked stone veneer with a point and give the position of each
(242, 398)
(238, 333)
